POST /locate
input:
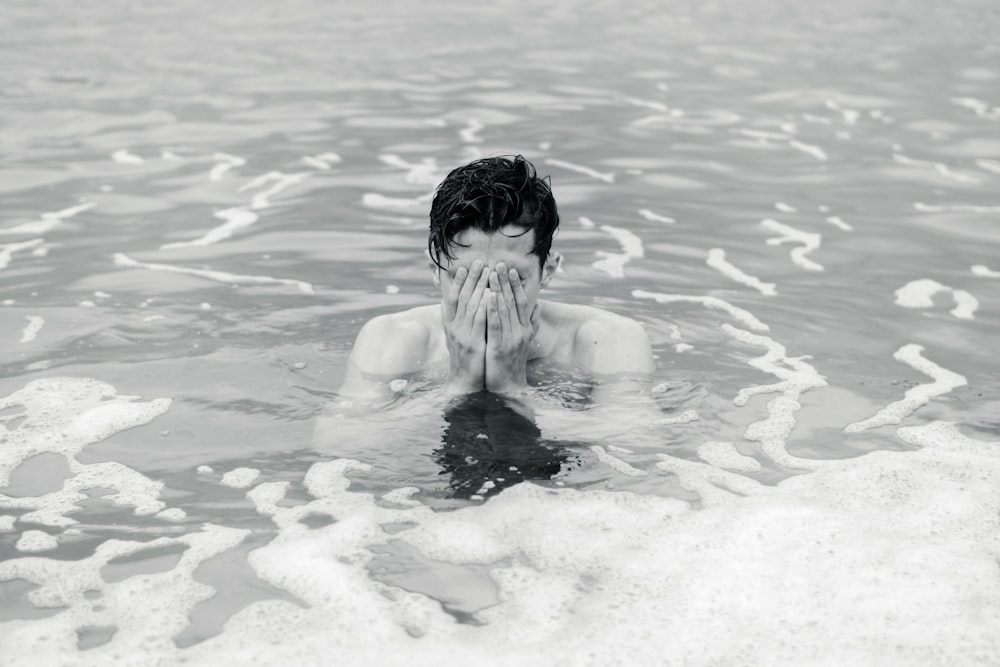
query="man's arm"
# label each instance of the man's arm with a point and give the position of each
(616, 352)
(388, 347)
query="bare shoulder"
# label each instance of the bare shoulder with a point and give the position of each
(395, 343)
(607, 343)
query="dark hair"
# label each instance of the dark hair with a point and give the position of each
(487, 194)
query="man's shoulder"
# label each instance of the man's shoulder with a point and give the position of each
(603, 341)
(589, 319)
(406, 322)
(394, 343)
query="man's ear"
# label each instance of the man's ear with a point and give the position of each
(553, 263)
(435, 269)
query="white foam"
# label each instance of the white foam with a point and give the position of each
(915, 397)
(607, 177)
(717, 260)
(35, 324)
(715, 487)
(761, 135)
(124, 260)
(613, 263)
(144, 612)
(36, 540)
(425, 172)
(470, 133)
(392, 289)
(939, 167)
(7, 250)
(920, 294)
(979, 107)
(812, 118)
(850, 116)
(647, 104)
(281, 182)
(236, 218)
(49, 220)
(784, 208)
(958, 208)
(226, 163)
(654, 217)
(899, 547)
(123, 156)
(62, 416)
(323, 162)
(7, 523)
(172, 514)
(984, 272)
(965, 304)
(615, 463)
(839, 223)
(810, 241)
(586, 222)
(714, 303)
(808, 149)
(991, 166)
(795, 377)
(376, 200)
(725, 455)
(240, 478)
(685, 417)
(683, 347)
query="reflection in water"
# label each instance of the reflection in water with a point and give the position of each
(487, 446)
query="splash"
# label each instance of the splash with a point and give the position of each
(607, 177)
(714, 303)
(49, 220)
(984, 271)
(236, 218)
(655, 217)
(920, 294)
(121, 259)
(35, 324)
(810, 241)
(795, 377)
(281, 182)
(226, 163)
(914, 398)
(7, 250)
(613, 263)
(717, 260)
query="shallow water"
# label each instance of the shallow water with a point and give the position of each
(201, 206)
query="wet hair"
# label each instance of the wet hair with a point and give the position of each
(488, 194)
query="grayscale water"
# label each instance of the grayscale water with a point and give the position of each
(203, 202)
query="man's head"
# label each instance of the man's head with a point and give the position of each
(493, 195)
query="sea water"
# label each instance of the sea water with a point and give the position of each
(201, 205)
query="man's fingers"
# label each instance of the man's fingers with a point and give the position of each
(469, 287)
(479, 322)
(492, 317)
(520, 298)
(503, 273)
(536, 320)
(451, 300)
(476, 298)
(503, 305)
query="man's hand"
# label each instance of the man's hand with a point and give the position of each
(463, 313)
(510, 331)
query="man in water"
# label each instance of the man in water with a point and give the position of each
(490, 253)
